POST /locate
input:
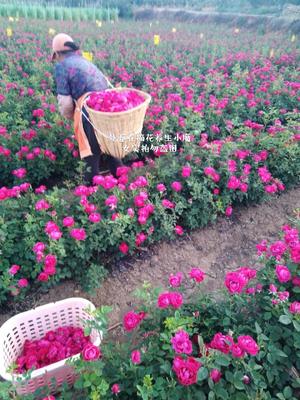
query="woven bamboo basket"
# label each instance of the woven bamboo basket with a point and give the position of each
(119, 133)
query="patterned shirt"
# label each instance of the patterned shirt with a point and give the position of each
(74, 76)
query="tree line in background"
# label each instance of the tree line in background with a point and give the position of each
(187, 3)
(124, 8)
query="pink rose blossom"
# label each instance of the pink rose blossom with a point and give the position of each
(176, 280)
(131, 320)
(176, 299)
(186, 370)
(130, 212)
(68, 221)
(295, 307)
(124, 248)
(95, 217)
(78, 234)
(91, 352)
(186, 171)
(176, 186)
(236, 351)
(42, 205)
(163, 300)
(14, 269)
(39, 247)
(222, 343)
(136, 357)
(161, 187)
(115, 389)
(272, 288)
(235, 282)
(283, 296)
(248, 344)
(215, 375)
(228, 211)
(43, 277)
(179, 230)
(111, 202)
(277, 249)
(283, 273)
(296, 281)
(197, 275)
(181, 343)
(19, 173)
(23, 282)
(233, 183)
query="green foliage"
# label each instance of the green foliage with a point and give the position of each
(272, 373)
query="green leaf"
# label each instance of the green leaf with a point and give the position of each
(287, 392)
(284, 319)
(211, 396)
(222, 360)
(202, 374)
(280, 353)
(258, 328)
(296, 325)
(221, 393)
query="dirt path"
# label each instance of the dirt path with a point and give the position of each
(220, 247)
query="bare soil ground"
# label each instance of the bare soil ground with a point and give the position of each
(216, 249)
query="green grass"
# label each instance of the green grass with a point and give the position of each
(58, 13)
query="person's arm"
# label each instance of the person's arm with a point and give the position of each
(64, 98)
(65, 106)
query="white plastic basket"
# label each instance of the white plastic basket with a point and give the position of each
(33, 325)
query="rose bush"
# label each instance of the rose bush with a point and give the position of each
(244, 345)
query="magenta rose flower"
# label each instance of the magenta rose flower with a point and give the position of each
(176, 299)
(248, 344)
(181, 343)
(91, 352)
(176, 280)
(167, 299)
(43, 277)
(186, 370)
(222, 343)
(131, 320)
(235, 282)
(215, 375)
(179, 230)
(176, 186)
(124, 248)
(68, 221)
(136, 357)
(186, 171)
(23, 282)
(236, 351)
(14, 269)
(228, 211)
(95, 217)
(115, 388)
(78, 234)
(197, 275)
(163, 300)
(283, 273)
(295, 307)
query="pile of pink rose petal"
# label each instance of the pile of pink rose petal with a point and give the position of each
(54, 346)
(114, 101)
